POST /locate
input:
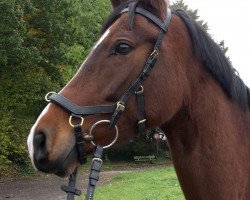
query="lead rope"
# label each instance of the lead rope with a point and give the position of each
(70, 188)
(93, 177)
(94, 172)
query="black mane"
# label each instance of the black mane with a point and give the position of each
(216, 62)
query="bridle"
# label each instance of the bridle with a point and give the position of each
(115, 109)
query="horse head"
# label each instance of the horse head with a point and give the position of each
(129, 39)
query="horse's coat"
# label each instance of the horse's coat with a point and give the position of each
(192, 93)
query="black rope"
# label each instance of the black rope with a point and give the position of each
(94, 172)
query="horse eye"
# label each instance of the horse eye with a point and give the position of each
(122, 49)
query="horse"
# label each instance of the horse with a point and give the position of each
(192, 93)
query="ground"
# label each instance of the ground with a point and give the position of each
(47, 187)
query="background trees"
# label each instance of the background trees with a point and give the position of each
(42, 44)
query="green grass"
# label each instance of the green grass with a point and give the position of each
(149, 184)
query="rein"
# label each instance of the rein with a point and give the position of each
(116, 109)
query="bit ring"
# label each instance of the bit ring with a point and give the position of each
(107, 122)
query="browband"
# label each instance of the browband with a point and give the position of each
(162, 24)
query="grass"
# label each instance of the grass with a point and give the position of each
(149, 184)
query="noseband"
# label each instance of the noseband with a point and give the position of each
(115, 109)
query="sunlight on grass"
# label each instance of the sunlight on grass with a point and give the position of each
(150, 184)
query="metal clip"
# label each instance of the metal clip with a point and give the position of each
(140, 91)
(88, 138)
(142, 121)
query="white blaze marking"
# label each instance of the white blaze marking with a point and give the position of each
(31, 136)
(102, 38)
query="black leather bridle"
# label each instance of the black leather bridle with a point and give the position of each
(115, 109)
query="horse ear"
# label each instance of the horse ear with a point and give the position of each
(116, 3)
(158, 7)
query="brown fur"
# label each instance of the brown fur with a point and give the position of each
(208, 133)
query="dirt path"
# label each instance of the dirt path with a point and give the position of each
(46, 187)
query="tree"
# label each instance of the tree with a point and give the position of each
(42, 44)
(194, 14)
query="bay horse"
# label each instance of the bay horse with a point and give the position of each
(192, 93)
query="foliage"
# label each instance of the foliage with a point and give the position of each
(154, 184)
(142, 145)
(42, 43)
(139, 146)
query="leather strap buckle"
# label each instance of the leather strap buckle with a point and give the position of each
(97, 160)
(120, 106)
(154, 53)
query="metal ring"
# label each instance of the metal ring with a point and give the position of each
(47, 96)
(70, 121)
(107, 122)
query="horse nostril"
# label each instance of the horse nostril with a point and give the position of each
(40, 140)
(40, 149)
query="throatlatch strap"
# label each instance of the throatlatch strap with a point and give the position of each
(94, 173)
(70, 188)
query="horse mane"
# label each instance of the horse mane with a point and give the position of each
(215, 61)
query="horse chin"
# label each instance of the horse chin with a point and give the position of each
(62, 166)
(68, 165)
(65, 171)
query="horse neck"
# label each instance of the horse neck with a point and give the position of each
(210, 143)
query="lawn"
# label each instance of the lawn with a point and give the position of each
(148, 184)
